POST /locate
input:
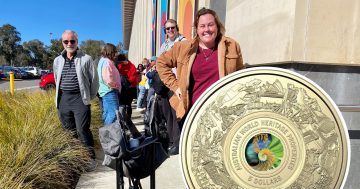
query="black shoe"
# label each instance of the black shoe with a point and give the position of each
(91, 166)
(173, 150)
(170, 146)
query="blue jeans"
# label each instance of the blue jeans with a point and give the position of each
(151, 92)
(140, 97)
(110, 103)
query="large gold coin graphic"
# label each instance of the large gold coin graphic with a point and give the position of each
(264, 128)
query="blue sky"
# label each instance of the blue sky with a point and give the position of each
(91, 19)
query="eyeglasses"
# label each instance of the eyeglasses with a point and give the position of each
(172, 27)
(67, 41)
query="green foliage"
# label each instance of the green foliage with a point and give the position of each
(9, 41)
(22, 57)
(35, 152)
(92, 48)
(38, 53)
(55, 48)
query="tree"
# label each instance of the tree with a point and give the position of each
(9, 42)
(92, 48)
(38, 53)
(56, 47)
(53, 51)
(22, 57)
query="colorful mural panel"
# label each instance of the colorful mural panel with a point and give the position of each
(163, 17)
(186, 17)
(153, 29)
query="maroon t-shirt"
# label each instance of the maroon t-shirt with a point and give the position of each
(204, 72)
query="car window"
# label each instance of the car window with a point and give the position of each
(7, 69)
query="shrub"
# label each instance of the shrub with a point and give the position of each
(35, 152)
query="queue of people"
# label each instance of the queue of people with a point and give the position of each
(184, 69)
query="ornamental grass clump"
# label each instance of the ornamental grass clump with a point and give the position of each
(35, 152)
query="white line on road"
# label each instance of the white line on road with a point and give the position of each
(24, 88)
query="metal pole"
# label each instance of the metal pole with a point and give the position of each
(152, 175)
(12, 83)
(119, 174)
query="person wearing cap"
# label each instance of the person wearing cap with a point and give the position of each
(128, 74)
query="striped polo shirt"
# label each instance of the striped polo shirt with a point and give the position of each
(69, 81)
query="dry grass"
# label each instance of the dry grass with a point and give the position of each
(35, 152)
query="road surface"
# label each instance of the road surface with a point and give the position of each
(20, 84)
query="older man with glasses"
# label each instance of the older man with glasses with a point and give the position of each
(76, 84)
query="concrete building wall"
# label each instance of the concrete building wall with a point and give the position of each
(331, 32)
(280, 31)
(263, 28)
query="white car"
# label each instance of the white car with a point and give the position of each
(34, 70)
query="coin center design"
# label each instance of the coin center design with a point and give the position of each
(264, 152)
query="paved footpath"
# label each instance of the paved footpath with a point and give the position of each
(168, 175)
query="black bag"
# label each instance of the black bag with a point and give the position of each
(125, 83)
(155, 123)
(139, 166)
(128, 93)
(115, 142)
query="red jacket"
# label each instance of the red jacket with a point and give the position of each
(130, 71)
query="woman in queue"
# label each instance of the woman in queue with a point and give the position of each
(110, 86)
(200, 62)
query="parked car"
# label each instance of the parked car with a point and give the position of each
(34, 70)
(1, 73)
(47, 81)
(5, 70)
(24, 74)
(44, 72)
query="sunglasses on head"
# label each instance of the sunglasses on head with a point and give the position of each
(172, 27)
(67, 41)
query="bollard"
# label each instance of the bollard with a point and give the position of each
(12, 83)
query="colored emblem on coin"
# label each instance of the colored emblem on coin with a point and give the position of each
(264, 128)
(264, 152)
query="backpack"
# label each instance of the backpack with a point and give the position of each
(155, 122)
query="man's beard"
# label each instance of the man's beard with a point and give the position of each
(70, 49)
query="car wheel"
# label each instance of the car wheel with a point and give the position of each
(49, 86)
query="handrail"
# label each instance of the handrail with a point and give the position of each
(349, 108)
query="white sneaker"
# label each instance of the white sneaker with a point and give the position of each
(140, 109)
